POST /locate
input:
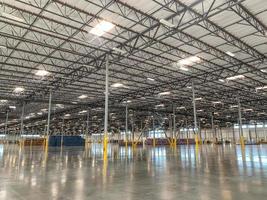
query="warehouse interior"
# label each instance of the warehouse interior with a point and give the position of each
(152, 99)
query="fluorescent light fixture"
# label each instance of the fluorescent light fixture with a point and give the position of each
(189, 61)
(262, 113)
(41, 72)
(198, 99)
(127, 101)
(248, 110)
(2, 47)
(160, 105)
(119, 50)
(18, 89)
(83, 96)
(13, 17)
(181, 108)
(74, 102)
(184, 68)
(44, 110)
(199, 110)
(216, 113)
(164, 93)
(83, 111)
(166, 23)
(229, 53)
(234, 106)
(39, 113)
(117, 85)
(235, 77)
(12, 107)
(261, 88)
(216, 102)
(102, 28)
(264, 70)
(60, 105)
(150, 79)
(189, 87)
(221, 80)
(3, 101)
(67, 115)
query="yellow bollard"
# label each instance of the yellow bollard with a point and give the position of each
(154, 142)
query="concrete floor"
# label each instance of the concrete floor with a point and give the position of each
(210, 172)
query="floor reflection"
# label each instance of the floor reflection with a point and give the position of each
(186, 172)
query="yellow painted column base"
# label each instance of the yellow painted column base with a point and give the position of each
(154, 142)
(105, 147)
(242, 141)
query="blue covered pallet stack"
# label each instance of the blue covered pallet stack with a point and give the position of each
(55, 141)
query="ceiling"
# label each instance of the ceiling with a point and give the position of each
(227, 36)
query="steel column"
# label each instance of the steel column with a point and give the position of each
(240, 122)
(21, 119)
(49, 112)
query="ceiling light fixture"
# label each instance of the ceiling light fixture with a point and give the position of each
(18, 89)
(117, 85)
(261, 88)
(160, 105)
(9, 16)
(3, 101)
(264, 70)
(12, 107)
(181, 108)
(150, 79)
(166, 23)
(184, 68)
(221, 80)
(234, 106)
(216, 102)
(235, 77)
(164, 93)
(119, 50)
(41, 72)
(67, 115)
(83, 96)
(189, 61)
(83, 111)
(229, 53)
(101, 28)
(198, 99)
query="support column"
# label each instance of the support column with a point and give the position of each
(49, 113)
(233, 133)
(87, 126)
(174, 126)
(48, 119)
(240, 123)
(154, 136)
(212, 128)
(195, 114)
(7, 112)
(256, 134)
(105, 143)
(21, 119)
(126, 126)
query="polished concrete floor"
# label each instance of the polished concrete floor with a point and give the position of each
(207, 172)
